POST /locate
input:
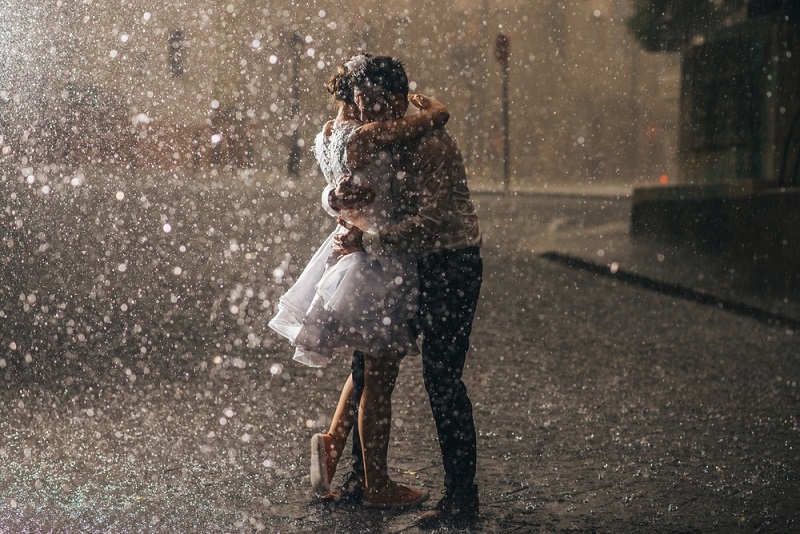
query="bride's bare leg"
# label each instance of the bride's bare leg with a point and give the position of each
(374, 424)
(326, 449)
(342, 422)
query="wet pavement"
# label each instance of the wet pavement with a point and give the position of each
(152, 398)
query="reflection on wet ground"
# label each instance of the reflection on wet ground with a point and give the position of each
(142, 390)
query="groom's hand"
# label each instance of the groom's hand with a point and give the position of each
(350, 195)
(348, 242)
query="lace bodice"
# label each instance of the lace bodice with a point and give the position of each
(331, 153)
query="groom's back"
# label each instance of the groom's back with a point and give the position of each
(433, 190)
(434, 161)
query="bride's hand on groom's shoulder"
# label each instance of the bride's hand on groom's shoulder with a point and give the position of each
(424, 102)
(431, 107)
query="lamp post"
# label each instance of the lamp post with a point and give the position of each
(294, 150)
(502, 51)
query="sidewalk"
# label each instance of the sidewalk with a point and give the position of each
(679, 270)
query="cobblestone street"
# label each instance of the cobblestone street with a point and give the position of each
(601, 406)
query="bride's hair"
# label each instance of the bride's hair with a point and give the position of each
(340, 85)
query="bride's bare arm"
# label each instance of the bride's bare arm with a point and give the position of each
(373, 136)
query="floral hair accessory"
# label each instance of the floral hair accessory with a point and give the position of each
(356, 62)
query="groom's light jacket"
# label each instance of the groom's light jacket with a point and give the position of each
(434, 199)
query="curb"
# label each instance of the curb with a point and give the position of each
(675, 290)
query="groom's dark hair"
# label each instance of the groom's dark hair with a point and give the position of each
(385, 71)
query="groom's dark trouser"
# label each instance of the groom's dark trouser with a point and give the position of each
(450, 283)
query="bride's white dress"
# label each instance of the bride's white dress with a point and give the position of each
(363, 301)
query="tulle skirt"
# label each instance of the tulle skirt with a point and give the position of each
(364, 301)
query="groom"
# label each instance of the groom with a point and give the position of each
(441, 229)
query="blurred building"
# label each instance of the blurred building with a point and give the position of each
(202, 83)
(739, 150)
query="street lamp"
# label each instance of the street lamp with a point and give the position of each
(294, 150)
(502, 51)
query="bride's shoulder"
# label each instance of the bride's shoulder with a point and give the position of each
(343, 129)
(346, 124)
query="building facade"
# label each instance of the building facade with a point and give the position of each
(203, 83)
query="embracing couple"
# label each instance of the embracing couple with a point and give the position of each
(403, 262)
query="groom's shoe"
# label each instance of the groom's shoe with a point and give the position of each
(323, 463)
(457, 508)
